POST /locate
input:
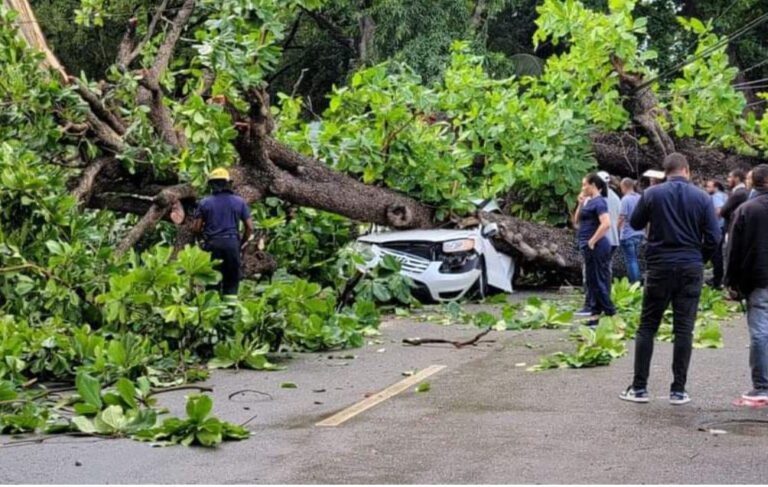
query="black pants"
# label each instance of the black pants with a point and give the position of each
(680, 285)
(227, 251)
(597, 265)
(589, 299)
(717, 263)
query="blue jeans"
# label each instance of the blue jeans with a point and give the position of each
(631, 249)
(757, 320)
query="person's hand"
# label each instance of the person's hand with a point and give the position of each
(582, 197)
(591, 244)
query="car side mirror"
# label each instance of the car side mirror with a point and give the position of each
(490, 230)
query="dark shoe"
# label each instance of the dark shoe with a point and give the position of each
(592, 324)
(679, 398)
(756, 395)
(635, 395)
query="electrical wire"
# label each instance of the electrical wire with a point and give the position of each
(706, 52)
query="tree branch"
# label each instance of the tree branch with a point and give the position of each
(161, 204)
(336, 33)
(166, 49)
(127, 45)
(82, 191)
(98, 108)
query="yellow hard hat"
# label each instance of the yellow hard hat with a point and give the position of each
(219, 173)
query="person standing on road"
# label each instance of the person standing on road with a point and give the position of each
(717, 193)
(218, 218)
(739, 194)
(593, 222)
(747, 276)
(614, 203)
(614, 207)
(631, 239)
(683, 234)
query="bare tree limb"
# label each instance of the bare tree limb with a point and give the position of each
(166, 49)
(108, 137)
(98, 108)
(127, 44)
(334, 31)
(479, 15)
(160, 206)
(150, 93)
(82, 191)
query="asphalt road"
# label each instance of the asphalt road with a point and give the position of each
(485, 420)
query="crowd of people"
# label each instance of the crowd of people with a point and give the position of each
(680, 227)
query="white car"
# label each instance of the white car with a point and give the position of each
(444, 264)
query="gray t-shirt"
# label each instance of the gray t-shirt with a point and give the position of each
(614, 207)
(628, 204)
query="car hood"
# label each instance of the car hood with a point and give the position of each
(418, 236)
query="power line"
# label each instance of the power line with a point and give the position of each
(755, 66)
(755, 103)
(706, 52)
(725, 11)
(752, 85)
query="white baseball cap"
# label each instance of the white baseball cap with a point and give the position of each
(655, 174)
(604, 176)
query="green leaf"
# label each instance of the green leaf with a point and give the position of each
(89, 389)
(127, 392)
(116, 353)
(220, 363)
(7, 391)
(84, 424)
(113, 417)
(288, 385)
(199, 406)
(697, 26)
(423, 387)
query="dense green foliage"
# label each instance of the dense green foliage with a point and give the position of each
(441, 118)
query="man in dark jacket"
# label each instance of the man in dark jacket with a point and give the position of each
(218, 218)
(683, 233)
(747, 275)
(739, 193)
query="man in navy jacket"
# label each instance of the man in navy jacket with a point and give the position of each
(683, 232)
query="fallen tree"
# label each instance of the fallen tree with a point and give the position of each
(266, 166)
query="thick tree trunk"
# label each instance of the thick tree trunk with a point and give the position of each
(621, 154)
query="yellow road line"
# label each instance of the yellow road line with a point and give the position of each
(379, 397)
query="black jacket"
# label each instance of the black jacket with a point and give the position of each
(683, 226)
(737, 198)
(748, 246)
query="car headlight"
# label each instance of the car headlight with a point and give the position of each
(463, 245)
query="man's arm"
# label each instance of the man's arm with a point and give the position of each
(245, 216)
(735, 252)
(712, 233)
(732, 203)
(198, 223)
(605, 225)
(623, 210)
(641, 216)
